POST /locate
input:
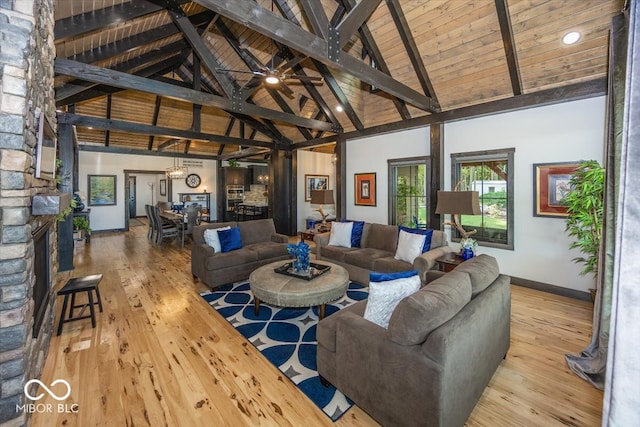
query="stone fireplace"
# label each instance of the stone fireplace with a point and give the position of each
(26, 89)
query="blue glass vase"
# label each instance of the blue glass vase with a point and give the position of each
(467, 253)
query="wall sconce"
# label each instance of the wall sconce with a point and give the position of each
(263, 179)
(334, 158)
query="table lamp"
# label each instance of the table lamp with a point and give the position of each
(322, 197)
(458, 203)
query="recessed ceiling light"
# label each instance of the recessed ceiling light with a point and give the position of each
(339, 109)
(571, 37)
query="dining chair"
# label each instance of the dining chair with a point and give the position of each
(164, 206)
(163, 230)
(151, 231)
(192, 218)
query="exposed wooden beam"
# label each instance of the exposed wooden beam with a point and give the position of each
(574, 92)
(154, 122)
(131, 43)
(263, 21)
(124, 150)
(170, 53)
(370, 45)
(107, 134)
(128, 81)
(410, 46)
(317, 18)
(204, 52)
(169, 143)
(107, 17)
(247, 152)
(118, 125)
(509, 45)
(354, 20)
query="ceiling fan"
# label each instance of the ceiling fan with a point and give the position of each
(272, 76)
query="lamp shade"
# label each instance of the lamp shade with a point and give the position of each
(458, 202)
(322, 197)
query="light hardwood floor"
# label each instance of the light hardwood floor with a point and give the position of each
(161, 356)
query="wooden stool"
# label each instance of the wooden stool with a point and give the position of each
(80, 284)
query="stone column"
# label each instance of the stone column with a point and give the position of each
(26, 89)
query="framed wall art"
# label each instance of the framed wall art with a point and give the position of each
(102, 190)
(365, 189)
(551, 184)
(163, 187)
(314, 182)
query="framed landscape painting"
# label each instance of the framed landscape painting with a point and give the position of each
(102, 190)
(551, 183)
(314, 182)
(365, 189)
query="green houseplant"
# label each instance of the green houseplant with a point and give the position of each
(81, 224)
(585, 203)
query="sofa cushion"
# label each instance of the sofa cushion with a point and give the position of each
(231, 259)
(428, 234)
(386, 291)
(267, 250)
(212, 239)
(417, 315)
(341, 234)
(198, 231)
(409, 246)
(389, 264)
(483, 270)
(438, 239)
(336, 253)
(380, 236)
(365, 257)
(258, 230)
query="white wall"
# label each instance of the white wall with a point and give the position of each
(571, 131)
(312, 163)
(371, 155)
(112, 217)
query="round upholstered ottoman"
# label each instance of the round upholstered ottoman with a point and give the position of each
(286, 291)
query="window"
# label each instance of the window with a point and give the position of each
(490, 173)
(409, 181)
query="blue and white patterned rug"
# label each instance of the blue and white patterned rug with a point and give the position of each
(286, 337)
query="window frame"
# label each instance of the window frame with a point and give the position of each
(407, 161)
(498, 154)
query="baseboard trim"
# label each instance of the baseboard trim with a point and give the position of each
(552, 289)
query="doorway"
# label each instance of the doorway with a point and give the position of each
(132, 197)
(409, 181)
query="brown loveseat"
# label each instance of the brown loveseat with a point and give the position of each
(441, 348)
(260, 245)
(378, 247)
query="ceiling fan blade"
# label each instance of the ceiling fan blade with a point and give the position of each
(292, 63)
(303, 78)
(257, 73)
(286, 89)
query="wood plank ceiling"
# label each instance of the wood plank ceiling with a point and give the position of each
(156, 69)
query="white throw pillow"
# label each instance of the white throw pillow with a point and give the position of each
(409, 246)
(211, 238)
(385, 295)
(341, 234)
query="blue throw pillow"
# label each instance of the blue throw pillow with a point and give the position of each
(427, 233)
(356, 232)
(385, 277)
(230, 239)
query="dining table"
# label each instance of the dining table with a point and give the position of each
(178, 218)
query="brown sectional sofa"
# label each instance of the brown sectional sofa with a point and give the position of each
(378, 247)
(260, 245)
(441, 348)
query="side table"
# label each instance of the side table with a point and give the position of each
(449, 261)
(310, 234)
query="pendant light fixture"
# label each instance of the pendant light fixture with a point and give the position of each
(176, 171)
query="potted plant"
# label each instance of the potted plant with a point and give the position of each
(80, 226)
(585, 203)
